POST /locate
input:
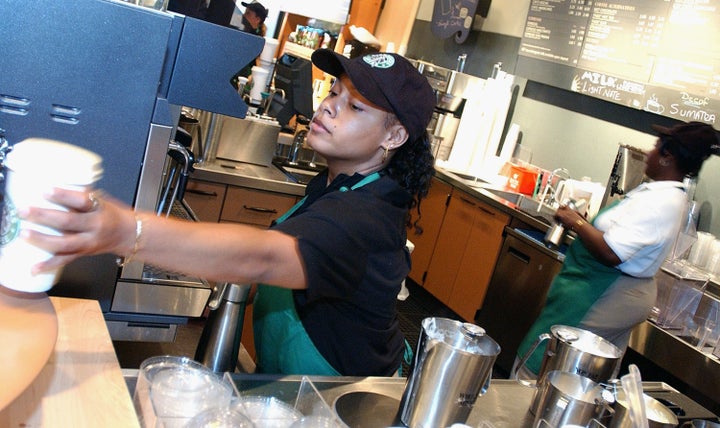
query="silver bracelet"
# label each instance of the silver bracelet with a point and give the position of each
(136, 246)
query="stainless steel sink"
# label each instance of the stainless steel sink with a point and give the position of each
(524, 203)
(507, 195)
(353, 408)
(536, 209)
(301, 172)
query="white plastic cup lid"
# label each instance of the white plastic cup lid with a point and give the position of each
(61, 162)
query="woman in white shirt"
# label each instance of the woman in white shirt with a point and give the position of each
(607, 284)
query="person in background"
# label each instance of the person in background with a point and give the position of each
(192, 8)
(253, 19)
(333, 265)
(216, 11)
(220, 12)
(606, 284)
(253, 22)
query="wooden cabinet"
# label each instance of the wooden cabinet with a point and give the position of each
(206, 199)
(433, 211)
(256, 207)
(215, 202)
(465, 253)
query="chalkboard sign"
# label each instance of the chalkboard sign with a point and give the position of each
(661, 56)
(453, 17)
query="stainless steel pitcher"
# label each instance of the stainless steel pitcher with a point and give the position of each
(568, 399)
(575, 350)
(219, 342)
(452, 367)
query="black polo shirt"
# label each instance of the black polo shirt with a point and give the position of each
(353, 248)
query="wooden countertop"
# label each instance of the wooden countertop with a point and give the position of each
(82, 384)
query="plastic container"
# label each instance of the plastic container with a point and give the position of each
(679, 290)
(522, 180)
(171, 390)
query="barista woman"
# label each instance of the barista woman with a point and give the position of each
(606, 284)
(334, 264)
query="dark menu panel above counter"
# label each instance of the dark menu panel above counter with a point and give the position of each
(660, 56)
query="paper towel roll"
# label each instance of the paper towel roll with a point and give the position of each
(508, 147)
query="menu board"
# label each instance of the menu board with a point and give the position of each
(661, 56)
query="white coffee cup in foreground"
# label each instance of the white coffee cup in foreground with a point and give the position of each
(34, 167)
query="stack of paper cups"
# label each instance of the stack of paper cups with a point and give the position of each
(701, 249)
(268, 53)
(34, 167)
(712, 264)
(259, 78)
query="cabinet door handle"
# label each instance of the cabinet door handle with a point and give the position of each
(202, 192)
(519, 255)
(486, 211)
(261, 209)
(467, 201)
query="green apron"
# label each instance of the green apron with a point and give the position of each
(281, 343)
(582, 280)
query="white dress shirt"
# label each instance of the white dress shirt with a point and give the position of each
(642, 228)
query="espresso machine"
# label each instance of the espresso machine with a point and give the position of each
(112, 77)
(451, 89)
(628, 172)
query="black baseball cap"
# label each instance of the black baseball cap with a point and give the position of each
(697, 138)
(387, 80)
(257, 8)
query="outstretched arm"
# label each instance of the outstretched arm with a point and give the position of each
(213, 251)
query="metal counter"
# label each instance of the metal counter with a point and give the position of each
(677, 357)
(375, 401)
(248, 175)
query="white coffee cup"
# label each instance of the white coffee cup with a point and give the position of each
(34, 167)
(259, 77)
(269, 49)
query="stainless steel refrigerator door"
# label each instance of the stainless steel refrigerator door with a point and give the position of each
(517, 292)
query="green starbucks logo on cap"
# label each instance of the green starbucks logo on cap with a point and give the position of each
(10, 223)
(379, 60)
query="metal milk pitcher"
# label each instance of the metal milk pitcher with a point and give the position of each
(575, 350)
(568, 399)
(220, 341)
(452, 367)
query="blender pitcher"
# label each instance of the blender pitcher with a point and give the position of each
(452, 367)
